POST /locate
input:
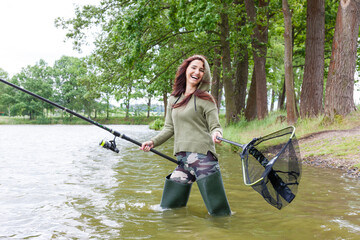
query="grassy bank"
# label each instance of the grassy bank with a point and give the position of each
(244, 131)
(338, 149)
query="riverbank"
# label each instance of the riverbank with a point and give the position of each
(335, 149)
(141, 120)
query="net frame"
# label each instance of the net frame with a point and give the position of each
(278, 183)
(277, 187)
(272, 161)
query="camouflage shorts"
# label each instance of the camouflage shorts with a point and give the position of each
(194, 166)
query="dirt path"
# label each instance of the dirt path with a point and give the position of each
(310, 147)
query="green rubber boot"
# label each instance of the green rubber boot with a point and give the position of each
(213, 193)
(175, 195)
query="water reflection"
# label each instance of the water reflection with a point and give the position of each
(56, 182)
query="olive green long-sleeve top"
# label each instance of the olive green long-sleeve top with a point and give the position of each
(192, 125)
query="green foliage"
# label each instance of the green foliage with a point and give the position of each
(5, 94)
(66, 83)
(36, 79)
(139, 45)
(158, 124)
(3, 74)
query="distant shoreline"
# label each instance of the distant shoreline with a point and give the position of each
(140, 120)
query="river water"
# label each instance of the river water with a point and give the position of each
(56, 182)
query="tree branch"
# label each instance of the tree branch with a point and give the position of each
(168, 66)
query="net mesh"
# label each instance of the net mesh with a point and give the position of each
(272, 166)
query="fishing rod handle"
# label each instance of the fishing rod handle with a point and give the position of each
(123, 136)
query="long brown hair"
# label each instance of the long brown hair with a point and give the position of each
(179, 86)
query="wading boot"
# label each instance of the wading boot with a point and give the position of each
(175, 195)
(213, 193)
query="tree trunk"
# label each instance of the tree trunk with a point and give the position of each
(148, 107)
(216, 88)
(311, 97)
(281, 100)
(241, 79)
(107, 109)
(241, 60)
(231, 114)
(339, 98)
(272, 100)
(259, 43)
(165, 103)
(250, 111)
(289, 75)
(127, 105)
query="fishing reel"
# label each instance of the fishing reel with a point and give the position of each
(111, 145)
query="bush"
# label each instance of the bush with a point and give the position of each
(157, 124)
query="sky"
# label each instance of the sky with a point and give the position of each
(28, 32)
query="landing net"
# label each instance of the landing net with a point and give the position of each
(272, 166)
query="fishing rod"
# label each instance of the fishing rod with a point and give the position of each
(111, 145)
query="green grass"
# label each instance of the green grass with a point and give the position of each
(338, 147)
(244, 131)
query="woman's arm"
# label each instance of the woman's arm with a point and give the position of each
(166, 133)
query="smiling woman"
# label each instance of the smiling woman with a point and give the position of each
(192, 118)
(31, 34)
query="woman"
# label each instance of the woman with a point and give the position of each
(192, 118)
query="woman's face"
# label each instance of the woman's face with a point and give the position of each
(194, 73)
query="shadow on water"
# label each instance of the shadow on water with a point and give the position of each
(57, 183)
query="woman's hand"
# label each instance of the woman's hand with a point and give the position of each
(146, 146)
(214, 137)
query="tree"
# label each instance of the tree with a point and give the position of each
(216, 88)
(251, 108)
(36, 79)
(313, 83)
(6, 94)
(289, 76)
(260, 19)
(231, 111)
(340, 83)
(69, 92)
(241, 58)
(141, 43)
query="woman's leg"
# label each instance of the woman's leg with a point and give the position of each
(210, 184)
(177, 186)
